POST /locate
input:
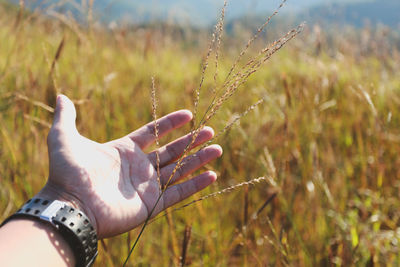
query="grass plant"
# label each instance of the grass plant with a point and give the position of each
(228, 89)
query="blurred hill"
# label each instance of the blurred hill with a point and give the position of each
(358, 14)
(197, 13)
(204, 13)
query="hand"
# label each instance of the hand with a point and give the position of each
(116, 183)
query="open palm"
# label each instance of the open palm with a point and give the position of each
(116, 183)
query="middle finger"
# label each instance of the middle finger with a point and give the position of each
(174, 150)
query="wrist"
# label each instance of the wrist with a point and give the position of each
(38, 242)
(71, 223)
(51, 192)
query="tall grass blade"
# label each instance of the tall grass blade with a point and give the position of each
(185, 244)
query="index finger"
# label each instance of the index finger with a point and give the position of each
(145, 135)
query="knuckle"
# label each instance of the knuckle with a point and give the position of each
(180, 171)
(180, 190)
(172, 153)
(53, 135)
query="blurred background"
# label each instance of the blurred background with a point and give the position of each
(319, 119)
(204, 13)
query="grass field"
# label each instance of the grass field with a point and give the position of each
(327, 137)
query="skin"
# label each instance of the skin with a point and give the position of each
(116, 183)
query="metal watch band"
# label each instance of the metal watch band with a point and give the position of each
(71, 223)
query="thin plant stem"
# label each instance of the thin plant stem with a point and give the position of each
(216, 37)
(215, 194)
(252, 39)
(220, 31)
(242, 78)
(233, 122)
(154, 113)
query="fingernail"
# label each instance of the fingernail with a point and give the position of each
(59, 99)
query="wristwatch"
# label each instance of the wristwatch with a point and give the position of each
(73, 225)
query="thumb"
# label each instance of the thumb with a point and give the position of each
(64, 114)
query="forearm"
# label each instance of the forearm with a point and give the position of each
(30, 242)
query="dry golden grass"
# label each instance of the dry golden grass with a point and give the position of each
(326, 136)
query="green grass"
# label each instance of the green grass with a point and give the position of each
(335, 154)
